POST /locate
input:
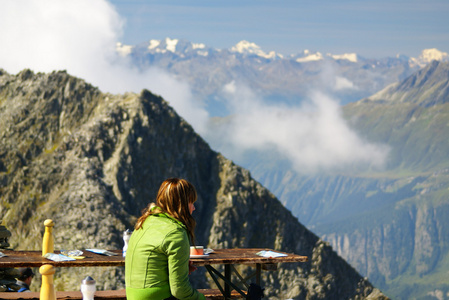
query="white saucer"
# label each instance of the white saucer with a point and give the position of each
(199, 256)
(208, 251)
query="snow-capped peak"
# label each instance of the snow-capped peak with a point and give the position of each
(308, 56)
(246, 47)
(123, 50)
(153, 44)
(171, 44)
(352, 57)
(427, 55)
(433, 54)
(198, 46)
(163, 46)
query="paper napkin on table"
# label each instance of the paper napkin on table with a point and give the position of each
(57, 257)
(269, 253)
(102, 251)
(208, 251)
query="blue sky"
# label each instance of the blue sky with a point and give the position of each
(370, 28)
(80, 36)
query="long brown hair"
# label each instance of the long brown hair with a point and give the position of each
(173, 198)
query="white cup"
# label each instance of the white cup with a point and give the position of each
(196, 250)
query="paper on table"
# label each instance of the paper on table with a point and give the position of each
(2, 254)
(102, 251)
(208, 251)
(269, 253)
(57, 257)
(71, 253)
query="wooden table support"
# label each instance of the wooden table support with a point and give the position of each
(242, 280)
(230, 269)
(258, 273)
(227, 281)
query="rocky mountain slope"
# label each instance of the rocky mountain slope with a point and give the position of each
(92, 161)
(390, 225)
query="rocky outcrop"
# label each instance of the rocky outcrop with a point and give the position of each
(7, 275)
(5, 234)
(410, 241)
(92, 161)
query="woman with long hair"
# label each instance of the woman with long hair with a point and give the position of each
(157, 259)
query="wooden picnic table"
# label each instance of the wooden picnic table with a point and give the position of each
(245, 256)
(15, 259)
(34, 259)
(226, 257)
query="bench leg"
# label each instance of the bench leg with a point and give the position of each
(48, 291)
(227, 293)
(228, 283)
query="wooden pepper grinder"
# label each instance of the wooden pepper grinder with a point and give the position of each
(48, 243)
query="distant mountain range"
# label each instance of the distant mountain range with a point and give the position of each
(186, 49)
(273, 76)
(390, 225)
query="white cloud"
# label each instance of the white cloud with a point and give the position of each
(313, 135)
(332, 81)
(80, 36)
(46, 35)
(342, 83)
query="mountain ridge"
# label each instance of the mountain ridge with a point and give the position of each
(412, 87)
(285, 79)
(182, 47)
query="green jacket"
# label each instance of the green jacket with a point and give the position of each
(157, 261)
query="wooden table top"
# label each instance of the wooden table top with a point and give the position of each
(34, 259)
(245, 256)
(219, 256)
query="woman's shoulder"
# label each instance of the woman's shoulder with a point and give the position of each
(165, 221)
(168, 230)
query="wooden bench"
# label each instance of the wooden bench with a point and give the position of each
(214, 294)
